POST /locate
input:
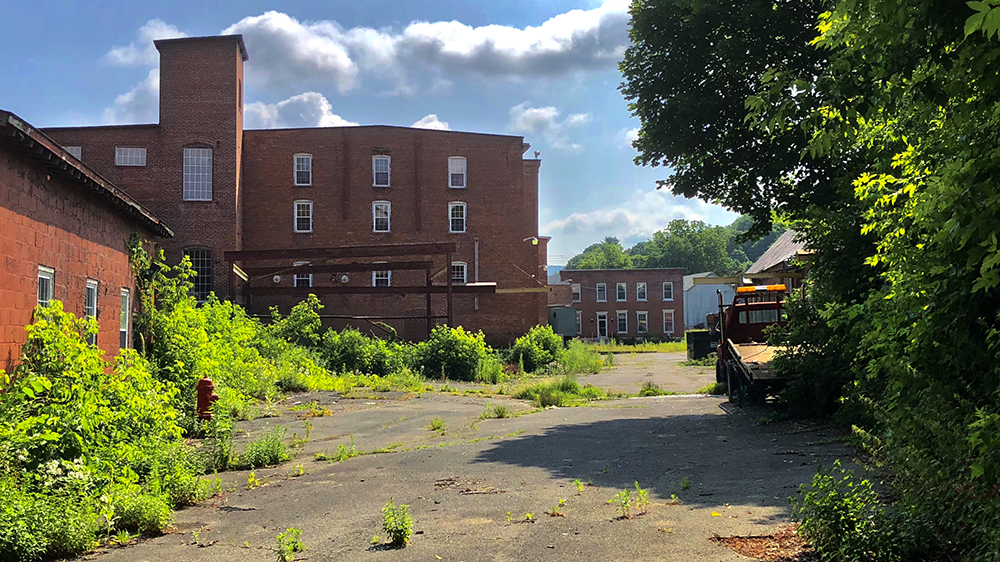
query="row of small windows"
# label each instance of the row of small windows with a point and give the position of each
(381, 216)
(381, 171)
(46, 293)
(383, 278)
(622, 292)
(641, 317)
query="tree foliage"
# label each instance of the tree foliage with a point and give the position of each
(607, 254)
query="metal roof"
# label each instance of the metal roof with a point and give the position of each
(50, 155)
(689, 279)
(784, 248)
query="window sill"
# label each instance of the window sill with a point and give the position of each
(302, 232)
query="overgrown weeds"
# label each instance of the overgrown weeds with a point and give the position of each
(266, 450)
(397, 523)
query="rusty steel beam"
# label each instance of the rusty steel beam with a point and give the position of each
(385, 250)
(338, 267)
(471, 288)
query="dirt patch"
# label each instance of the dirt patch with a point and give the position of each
(784, 546)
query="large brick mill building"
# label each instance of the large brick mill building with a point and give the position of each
(382, 223)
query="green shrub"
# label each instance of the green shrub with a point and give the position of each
(452, 351)
(490, 370)
(551, 397)
(302, 326)
(145, 513)
(289, 543)
(650, 388)
(845, 520)
(397, 523)
(266, 450)
(495, 412)
(579, 358)
(536, 349)
(591, 392)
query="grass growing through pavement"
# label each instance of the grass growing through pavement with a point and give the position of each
(661, 347)
(652, 389)
(437, 424)
(559, 392)
(714, 388)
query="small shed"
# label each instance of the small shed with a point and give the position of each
(702, 300)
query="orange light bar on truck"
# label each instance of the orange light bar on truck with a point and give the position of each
(757, 288)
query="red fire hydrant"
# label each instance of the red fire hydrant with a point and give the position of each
(206, 398)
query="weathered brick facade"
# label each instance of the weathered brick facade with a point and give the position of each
(254, 195)
(659, 303)
(57, 214)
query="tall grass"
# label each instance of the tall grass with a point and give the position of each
(646, 347)
(579, 358)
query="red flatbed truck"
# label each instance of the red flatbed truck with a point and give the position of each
(744, 357)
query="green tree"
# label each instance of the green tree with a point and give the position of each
(607, 254)
(692, 245)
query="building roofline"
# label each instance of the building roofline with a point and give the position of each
(238, 37)
(632, 269)
(85, 127)
(58, 159)
(383, 127)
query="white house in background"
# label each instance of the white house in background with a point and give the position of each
(702, 300)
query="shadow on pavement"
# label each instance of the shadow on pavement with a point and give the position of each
(724, 459)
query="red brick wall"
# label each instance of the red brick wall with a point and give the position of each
(50, 221)
(199, 106)
(342, 196)
(654, 303)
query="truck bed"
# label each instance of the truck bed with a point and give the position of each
(757, 357)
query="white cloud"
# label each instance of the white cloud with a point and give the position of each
(285, 50)
(139, 105)
(629, 136)
(310, 109)
(639, 217)
(142, 51)
(431, 121)
(545, 121)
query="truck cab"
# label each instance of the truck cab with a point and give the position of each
(744, 356)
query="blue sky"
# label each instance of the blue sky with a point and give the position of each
(544, 69)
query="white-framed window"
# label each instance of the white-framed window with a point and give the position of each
(201, 263)
(622, 321)
(459, 272)
(381, 170)
(577, 294)
(303, 279)
(197, 174)
(90, 306)
(381, 216)
(46, 285)
(602, 292)
(382, 278)
(579, 321)
(130, 156)
(303, 169)
(642, 321)
(303, 216)
(668, 290)
(622, 292)
(602, 324)
(76, 151)
(640, 291)
(123, 322)
(456, 217)
(456, 172)
(668, 321)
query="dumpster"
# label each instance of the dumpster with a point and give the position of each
(700, 343)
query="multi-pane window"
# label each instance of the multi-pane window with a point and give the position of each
(642, 321)
(668, 321)
(303, 279)
(640, 291)
(381, 213)
(577, 296)
(303, 169)
(579, 321)
(130, 156)
(456, 171)
(459, 272)
(456, 217)
(90, 307)
(602, 292)
(303, 216)
(381, 279)
(197, 174)
(46, 285)
(201, 263)
(621, 296)
(76, 151)
(381, 171)
(123, 321)
(668, 290)
(622, 321)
